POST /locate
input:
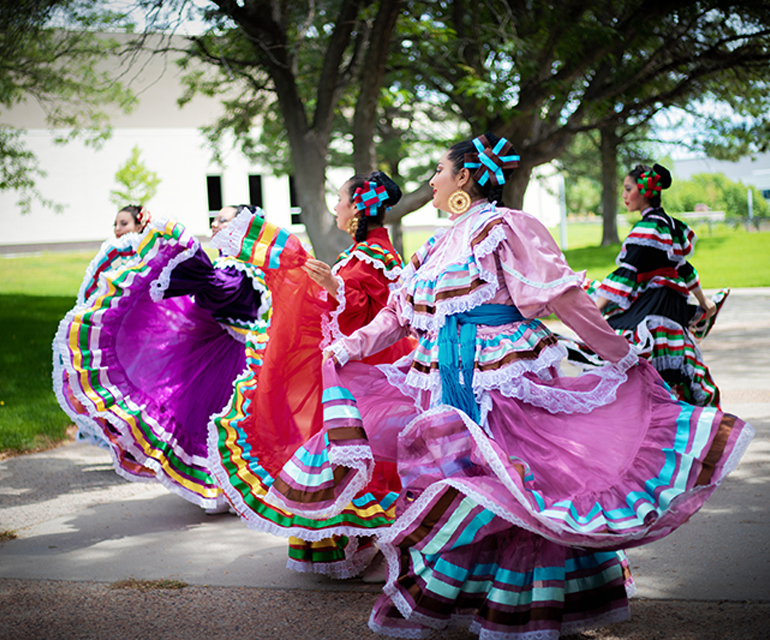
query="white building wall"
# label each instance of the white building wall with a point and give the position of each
(81, 178)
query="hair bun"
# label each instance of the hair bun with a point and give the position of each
(665, 175)
(394, 191)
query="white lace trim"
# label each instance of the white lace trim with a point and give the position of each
(91, 430)
(741, 444)
(359, 459)
(390, 274)
(659, 244)
(127, 441)
(160, 284)
(330, 326)
(564, 401)
(551, 529)
(490, 243)
(444, 308)
(258, 284)
(229, 240)
(398, 379)
(251, 518)
(410, 634)
(511, 383)
(354, 563)
(126, 241)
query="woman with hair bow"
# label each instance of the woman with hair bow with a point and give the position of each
(519, 485)
(140, 364)
(646, 298)
(277, 401)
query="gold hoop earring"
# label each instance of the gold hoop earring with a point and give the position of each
(459, 202)
(352, 226)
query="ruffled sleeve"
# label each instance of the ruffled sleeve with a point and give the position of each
(363, 291)
(653, 255)
(533, 267)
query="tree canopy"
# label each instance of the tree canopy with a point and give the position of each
(49, 54)
(539, 73)
(306, 83)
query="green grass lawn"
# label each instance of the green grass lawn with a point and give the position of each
(37, 291)
(35, 294)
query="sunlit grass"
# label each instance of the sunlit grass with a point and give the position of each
(30, 416)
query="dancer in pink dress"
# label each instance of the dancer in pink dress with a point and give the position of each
(519, 484)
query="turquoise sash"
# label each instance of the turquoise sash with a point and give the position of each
(452, 351)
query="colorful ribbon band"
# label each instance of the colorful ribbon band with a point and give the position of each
(648, 184)
(369, 198)
(490, 161)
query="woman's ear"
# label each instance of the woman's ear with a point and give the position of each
(463, 177)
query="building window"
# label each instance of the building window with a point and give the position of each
(214, 192)
(294, 208)
(766, 194)
(255, 190)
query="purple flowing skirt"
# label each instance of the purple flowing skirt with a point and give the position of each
(145, 373)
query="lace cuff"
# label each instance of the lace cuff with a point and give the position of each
(340, 353)
(629, 360)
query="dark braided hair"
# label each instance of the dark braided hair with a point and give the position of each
(664, 182)
(493, 193)
(251, 208)
(394, 195)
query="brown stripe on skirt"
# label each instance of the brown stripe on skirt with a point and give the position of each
(717, 449)
(309, 497)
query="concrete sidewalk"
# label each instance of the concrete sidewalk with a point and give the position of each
(80, 526)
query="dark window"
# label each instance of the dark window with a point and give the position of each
(214, 192)
(766, 194)
(295, 209)
(255, 190)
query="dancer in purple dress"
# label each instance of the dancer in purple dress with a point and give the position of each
(520, 485)
(151, 350)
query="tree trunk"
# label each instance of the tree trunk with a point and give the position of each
(410, 202)
(310, 185)
(516, 187)
(396, 230)
(609, 154)
(372, 74)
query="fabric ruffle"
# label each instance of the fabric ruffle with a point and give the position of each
(628, 473)
(147, 374)
(670, 347)
(277, 405)
(113, 253)
(658, 230)
(671, 242)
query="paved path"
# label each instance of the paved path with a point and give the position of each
(80, 527)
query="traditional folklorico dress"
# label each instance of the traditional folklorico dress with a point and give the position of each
(519, 485)
(141, 365)
(648, 295)
(277, 403)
